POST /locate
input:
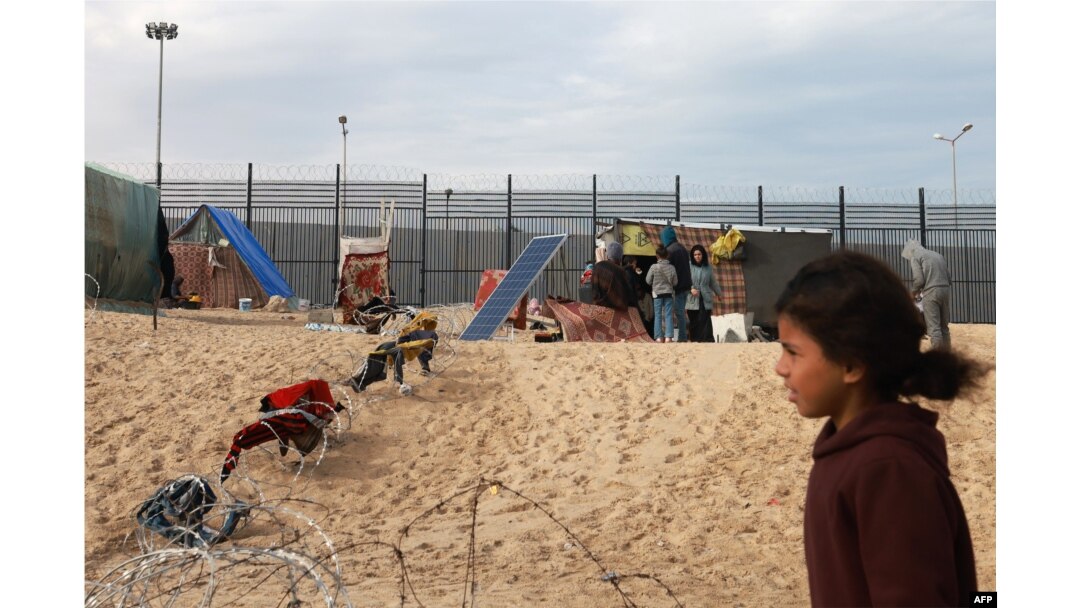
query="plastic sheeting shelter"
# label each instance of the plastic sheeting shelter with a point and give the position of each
(222, 261)
(126, 242)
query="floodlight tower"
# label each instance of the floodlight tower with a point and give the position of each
(160, 31)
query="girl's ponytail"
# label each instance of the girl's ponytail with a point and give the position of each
(940, 374)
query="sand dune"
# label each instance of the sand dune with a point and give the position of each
(684, 462)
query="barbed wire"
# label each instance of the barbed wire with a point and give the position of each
(882, 196)
(467, 183)
(296, 549)
(170, 577)
(251, 469)
(964, 197)
(692, 193)
(497, 183)
(352, 173)
(494, 486)
(553, 183)
(238, 172)
(449, 325)
(798, 194)
(92, 304)
(166, 574)
(636, 183)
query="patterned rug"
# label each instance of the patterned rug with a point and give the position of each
(729, 273)
(363, 276)
(220, 285)
(588, 323)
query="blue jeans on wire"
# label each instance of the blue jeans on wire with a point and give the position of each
(680, 316)
(662, 318)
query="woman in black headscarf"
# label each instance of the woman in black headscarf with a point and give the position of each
(699, 304)
(610, 285)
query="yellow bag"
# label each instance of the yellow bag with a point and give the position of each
(726, 245)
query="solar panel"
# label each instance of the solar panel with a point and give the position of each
(508, 292)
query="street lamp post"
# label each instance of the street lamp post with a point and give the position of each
(344, 173)
(952, 142)
(160, 31)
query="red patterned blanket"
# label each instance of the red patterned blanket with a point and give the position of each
(363, 276)
(588, 323)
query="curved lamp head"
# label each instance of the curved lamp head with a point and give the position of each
(967, 128)
(938, 136)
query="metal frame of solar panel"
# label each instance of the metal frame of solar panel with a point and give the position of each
(522, 274)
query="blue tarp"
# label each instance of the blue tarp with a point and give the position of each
(245, 243)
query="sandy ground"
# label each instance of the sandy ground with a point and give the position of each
(682, 462)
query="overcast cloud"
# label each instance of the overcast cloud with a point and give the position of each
(815, 94)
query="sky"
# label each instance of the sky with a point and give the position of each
(801, 94)
(632, 77)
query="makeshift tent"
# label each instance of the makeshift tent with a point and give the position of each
(773, 254)
(222, 261)
(127, 252)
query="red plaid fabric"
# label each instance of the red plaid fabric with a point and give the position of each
(587, 323)
(732, 281)
(218, 287)
(729, 273)
(313, 396)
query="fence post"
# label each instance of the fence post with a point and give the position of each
(678, 201)
(249, 198)
(594, 219)
(843, 223)
(922, 216)
(159, 180)
(509, 219)
(423, 242)
(760, 206)
(337, 230)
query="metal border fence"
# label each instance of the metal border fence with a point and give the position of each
(449, 229)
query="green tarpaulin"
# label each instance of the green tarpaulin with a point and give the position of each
(125, 245)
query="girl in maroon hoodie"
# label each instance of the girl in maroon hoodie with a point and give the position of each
(883, 524)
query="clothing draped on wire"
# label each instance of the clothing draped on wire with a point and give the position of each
(297, 413)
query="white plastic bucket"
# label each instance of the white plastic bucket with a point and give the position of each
(245, 304)
(304, 305)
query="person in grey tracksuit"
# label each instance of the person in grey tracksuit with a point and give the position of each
(932, 280)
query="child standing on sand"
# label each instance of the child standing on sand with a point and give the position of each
(883, 524)
(662, 277)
